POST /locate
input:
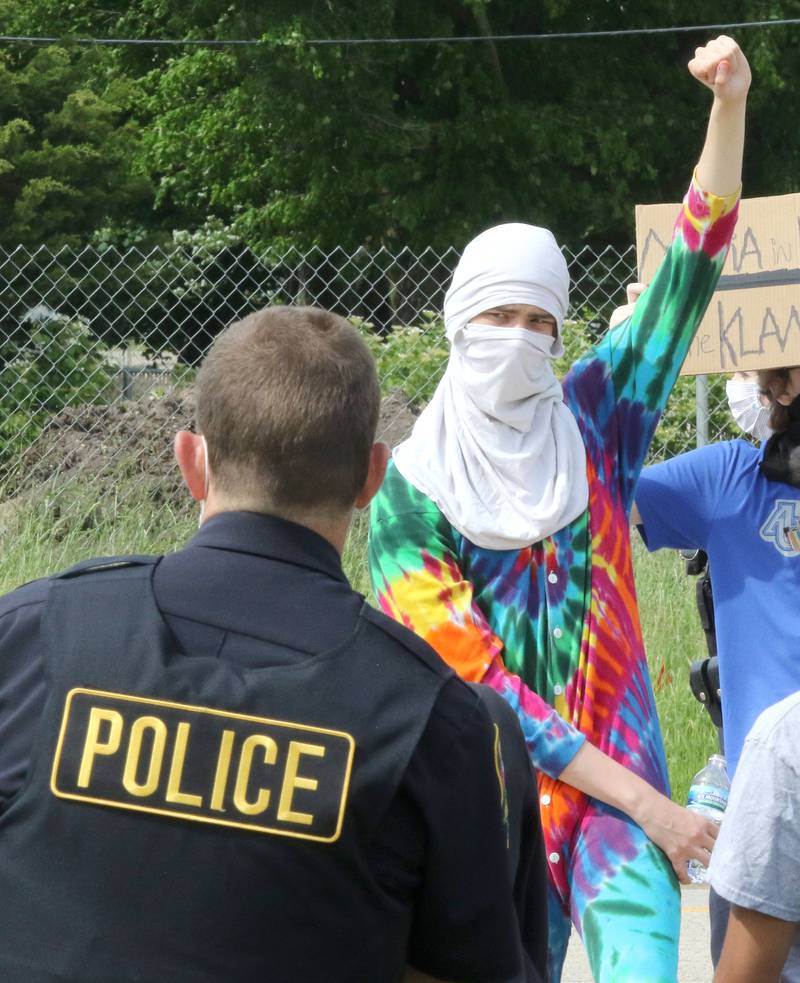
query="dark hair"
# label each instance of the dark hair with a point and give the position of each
(773, 383)
(288, 401)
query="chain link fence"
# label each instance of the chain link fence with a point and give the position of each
(98, 349)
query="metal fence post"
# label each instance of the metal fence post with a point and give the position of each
(126, 389)
(701, 414)
(302, 295)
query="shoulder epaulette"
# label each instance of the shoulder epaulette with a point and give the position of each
(104, 563)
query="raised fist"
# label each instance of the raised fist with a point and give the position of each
(723, 68)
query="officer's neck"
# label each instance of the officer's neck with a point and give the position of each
(331, 526)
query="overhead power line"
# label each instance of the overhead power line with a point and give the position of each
(467, 39)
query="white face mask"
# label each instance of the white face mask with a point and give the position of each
(745, 406)
(496, 448)
(501, 368)
(523, 339)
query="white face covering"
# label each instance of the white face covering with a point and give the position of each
(502, 368)
(746, 409)
(496, 448)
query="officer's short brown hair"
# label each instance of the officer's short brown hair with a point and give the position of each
(288, 402)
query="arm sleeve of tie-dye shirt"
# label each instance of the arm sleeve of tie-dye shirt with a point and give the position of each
(417, 581)
(619, 389)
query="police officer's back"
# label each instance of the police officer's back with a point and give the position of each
(223, 765)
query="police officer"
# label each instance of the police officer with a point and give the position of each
(221, 764)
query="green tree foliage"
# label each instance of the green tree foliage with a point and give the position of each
(422, 145)
(397, 144)
(54, 363)
(67, 148)
(412, 358)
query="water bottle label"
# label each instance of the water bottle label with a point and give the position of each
(708, 797)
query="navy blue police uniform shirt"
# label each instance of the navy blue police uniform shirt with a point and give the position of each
(261, 590)
(526, 855)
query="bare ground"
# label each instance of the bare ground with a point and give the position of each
(102, 452)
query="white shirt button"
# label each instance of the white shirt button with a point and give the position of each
(545, 800)
(558, 690)
(557, 633)
(554, 858)
(553, 578)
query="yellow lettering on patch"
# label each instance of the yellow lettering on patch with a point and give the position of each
(158, 729)
(93, 745)
(223, 767)
(291, 781)
(174, 793)
(261, 801)
(203, 764)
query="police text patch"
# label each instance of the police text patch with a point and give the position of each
(202, 764)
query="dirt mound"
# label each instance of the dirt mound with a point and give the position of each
(123, 451)
(398, 416)
(106, 449)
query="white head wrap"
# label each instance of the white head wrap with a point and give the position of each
(509, 264)
(496, 448)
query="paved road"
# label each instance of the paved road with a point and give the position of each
(694, 962)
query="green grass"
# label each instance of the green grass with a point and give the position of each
(52, 535)
(354, 559)
(49, 537)
(673, 636)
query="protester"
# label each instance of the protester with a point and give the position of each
(221, 764)
(756, 861)
(501, 537)
(741, 504)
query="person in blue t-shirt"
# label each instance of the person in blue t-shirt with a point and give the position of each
(741, 504)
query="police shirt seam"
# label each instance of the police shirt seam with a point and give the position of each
(22, 605)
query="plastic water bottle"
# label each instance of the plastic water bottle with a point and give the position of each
(708, 796)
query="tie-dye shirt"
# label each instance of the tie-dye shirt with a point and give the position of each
(554, 627)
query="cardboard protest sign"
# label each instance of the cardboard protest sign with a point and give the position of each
(753, 320)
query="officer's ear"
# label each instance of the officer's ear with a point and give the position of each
(378, 460)
(190, 453)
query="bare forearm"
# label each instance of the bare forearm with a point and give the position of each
(755, 949)
(681, 834)
(599, 776)
(719, 170)
(722, 67)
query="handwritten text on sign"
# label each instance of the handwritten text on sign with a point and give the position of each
(753, 320)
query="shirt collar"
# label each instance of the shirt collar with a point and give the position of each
(269, 536)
